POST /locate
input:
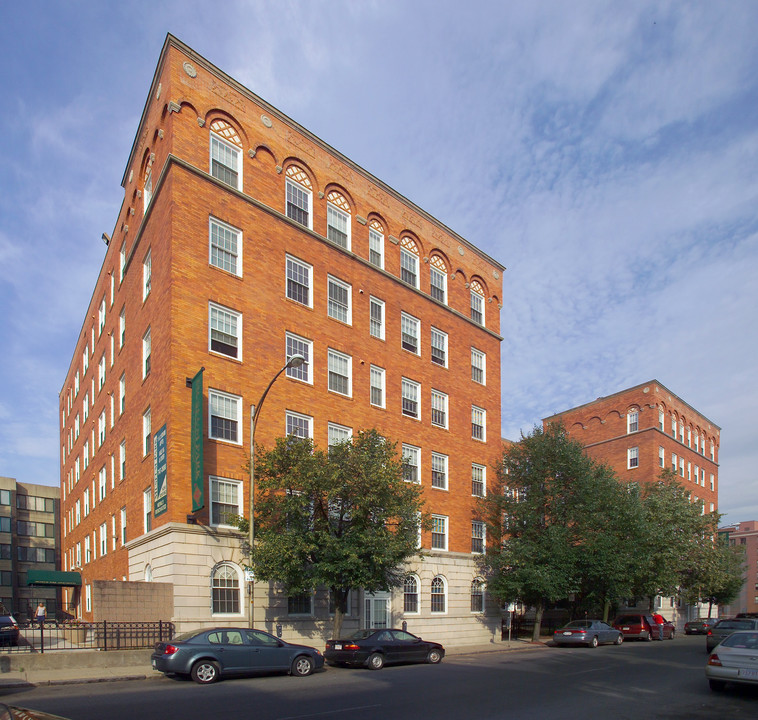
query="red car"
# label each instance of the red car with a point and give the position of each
(638, 626)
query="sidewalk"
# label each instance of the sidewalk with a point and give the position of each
(140, 669)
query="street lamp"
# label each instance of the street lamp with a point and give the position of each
(293, 362)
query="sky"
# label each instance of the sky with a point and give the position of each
(605, 152)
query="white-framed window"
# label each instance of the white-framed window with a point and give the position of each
(226, 501)
(77, 513)
(411, 586)
(122, 328)
(376, 244)
(689, 437)
(76, 383)
(478, 423)
(112, 347)
(661, 457)
(147, 274)
(438, 280)
(300, 426)
(712, 452)
(633, 458)
(146, 352)
(438, 595)
(697, 442)
(147, 509)
(114, 537)
(377, 386)
(123, 525)
(338, 220)
(299, 202)
(339, 300)
(226, 159)
(85, 360)
(439, 347)
(101, 426)
(681, 466)
(101, 317)
(439, 409)
(410, 331)
(147, 190)
(409, 266)
(296, 345)
(411, 463)
(661, 421)
(85, 502)
(478, 534)
(439, 471)
(376, 317)
(478, 480)
(477, 302)
(673, 426)
(337, 434)
(85, 454)
(121, 262)
(224, 331)
(225, 417)
(85, 407)
(713, 483)
(225, 247)
(681, 432)
(340, 368)
(632, 421)
(103, 539)
(122, 460)
(88, 598)
(411, 391)
(76, 427)
(122, 394)
(673, 462)
(299, 281)
(439, 532)
(226, 591)
(147, 440)
(101, 372)
(477, 595)
(87, 550)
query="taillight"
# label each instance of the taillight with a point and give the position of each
(351, 646)
(710, 632)
(714, 660)
(170, 649)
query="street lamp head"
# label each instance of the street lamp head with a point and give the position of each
(295, 361)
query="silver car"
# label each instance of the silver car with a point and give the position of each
(724, 628)
(587, 632)
(734, 660)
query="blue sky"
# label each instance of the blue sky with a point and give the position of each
(605, 152)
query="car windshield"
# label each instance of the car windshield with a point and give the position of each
(628, 619)
(734, 625)
(747, 640)
(579, 624)
(186, 636)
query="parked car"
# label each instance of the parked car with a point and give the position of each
(206, 655)
(699, 626)
(734, 660)
(375, 648)
(638, 626)
(587, 632)
(8, 630)
(724, 628)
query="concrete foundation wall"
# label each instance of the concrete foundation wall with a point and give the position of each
(118, 601)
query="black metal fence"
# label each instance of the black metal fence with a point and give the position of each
(102, 635)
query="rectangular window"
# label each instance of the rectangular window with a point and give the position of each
(146, 432)
(439, 471)
(411, 391)
(478, 531)
(661, 421)
(122, 328)
(121, 262)
(410, 330)
(147, 509)
(226, 162)
(122, 460)
(673, 461)
(102, 484)
(478, 480)
(298, 425)
(661, 457)
(225, 247)
(225, 331)
(632, 421)
(101, 317)
(478, 423)
(299, 281)
(439, 532)
(87, 550)
(439, 347)
(681, 467)
(477, 308)
(411, 463)
(438, 284)
(226, 501)
(123, 525)
(146, 351)
(340, 372)
(299, 604)
(103, 539)
(298, 203)
(409, 267)
(147, 274)
(338, 434)
(439, 409)
(297, 345)
(673, 427)
(225, 417)
(338, 304)
(376, 248)
(377, 386)
(101, 373)
(337, 226)
(376, 324)
(122, 394)
(633, 459)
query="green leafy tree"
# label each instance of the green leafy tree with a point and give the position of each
(342, 519)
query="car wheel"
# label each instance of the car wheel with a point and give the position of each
(375, 661)
(673, 632)
(434, 656)
(646, 637)
(619, 640)
(205, 671)
(302, 665)
(593, 643)
(717, 685)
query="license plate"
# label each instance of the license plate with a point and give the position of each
(624, 628)
(752, 674)
(567, 633)
(337, 646)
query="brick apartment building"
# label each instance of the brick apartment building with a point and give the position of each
(744, 534)
(242, 240)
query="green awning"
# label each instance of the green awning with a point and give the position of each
(53, 577)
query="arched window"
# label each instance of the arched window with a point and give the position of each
(299, 193)
(376, 244)
(410, 594)
(438, 279)
(477, 302)
(439, 595)
(226, 154)
(148, 573)
(225, 590)
(409, 262)
(338, 219)
(477, 595)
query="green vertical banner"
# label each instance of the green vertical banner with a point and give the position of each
(160, 490)
(196, 451)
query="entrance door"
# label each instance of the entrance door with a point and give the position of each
(377, 611)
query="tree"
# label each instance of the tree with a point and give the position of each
(341, 519)
(553, 524)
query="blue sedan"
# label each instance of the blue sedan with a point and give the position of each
(587, 632)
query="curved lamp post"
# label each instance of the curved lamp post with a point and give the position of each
(293, 362)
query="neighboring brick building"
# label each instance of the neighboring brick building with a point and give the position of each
(744, 534)
(641, 430)
(244, 239)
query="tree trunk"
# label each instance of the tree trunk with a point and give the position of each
(340, 596)
(606, 610)
(538, 610)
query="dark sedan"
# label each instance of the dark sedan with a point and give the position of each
(8, 630)
(587, 632)
(699, 626)
(378, 647)
(206, 655)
